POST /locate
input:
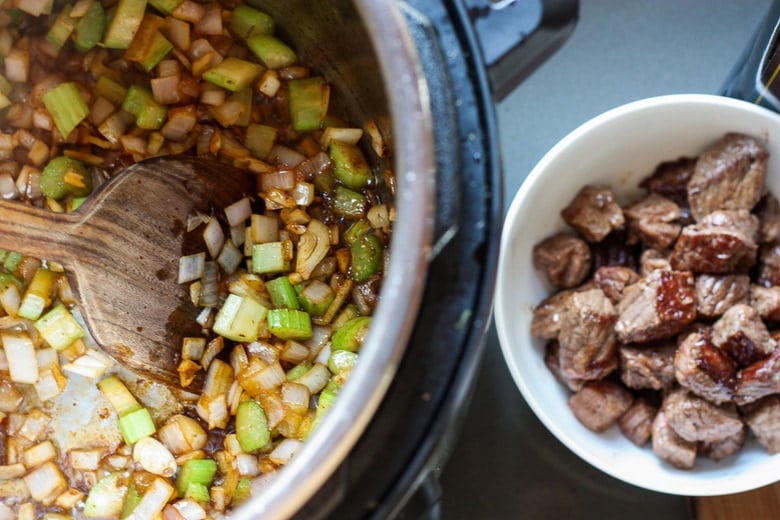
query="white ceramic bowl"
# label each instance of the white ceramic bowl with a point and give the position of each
(617, 148)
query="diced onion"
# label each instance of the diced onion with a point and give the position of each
(285, 451)
(191, 267)
(285, 156)
(214, 237)
(238, 212)
(316, 378)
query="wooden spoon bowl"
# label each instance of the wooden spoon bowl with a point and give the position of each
(121, 251)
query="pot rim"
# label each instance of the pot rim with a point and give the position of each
(404, 282)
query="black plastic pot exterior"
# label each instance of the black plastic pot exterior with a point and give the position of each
(422, 372)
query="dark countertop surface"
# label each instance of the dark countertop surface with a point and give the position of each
(505, 463)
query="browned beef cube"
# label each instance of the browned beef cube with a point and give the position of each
(613, 279)
(653, 260)
(728, 175)
(721, 448)
(669, 446)
(637, 422)
(716, 293)
(769, 264)
(647, 366)
(546, 320)
(564, 259)
(588, 348)
(671, 178)
(653, 221)
(741, 333)
(766, 301)
(722, 242)
(594, 213)
(768, 213)
(763, 418)
(704, 369)
(696, 419)
(599, 404)
(553, 362)
(658, 306)
(758, 380)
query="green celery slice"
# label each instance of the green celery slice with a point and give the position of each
(195, 471)
(233, 74)
(239, 318)
(341, 361)
(165, 6)
(132, 499)
(308, 103)
(89, 29)
(62, 28)
(111, 90)
(315, 296)
(64, 175)
(271, 51)
(66, 106)
(350, 335)
(59, 328)
(271, 257)
(349, 203)
(298, 370)
(38, 295)
(247, 21)
(106, 498)
(349, 164)
(120, 397)
(289, 324)
(124, 23)
(252, 430)
(282, 293)
(136, 425)
(366, 253)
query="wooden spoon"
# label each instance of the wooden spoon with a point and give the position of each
(121, 252)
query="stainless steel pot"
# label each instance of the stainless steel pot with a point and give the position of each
(389, 61)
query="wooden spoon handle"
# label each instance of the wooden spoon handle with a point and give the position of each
(38, 232)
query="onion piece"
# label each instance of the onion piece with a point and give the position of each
(316, 378)
(153, 501)
(214, 237)
(191, 267)
(285, 451)
(238, 212)
(285, 156)
(313, 246)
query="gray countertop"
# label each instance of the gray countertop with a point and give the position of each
(505, 463)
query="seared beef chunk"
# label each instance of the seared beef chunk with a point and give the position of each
(647, 366)
(553, 361)
(658, 306)
(637, 422)
(728, 175)
(653, 222)
(704, 369)
(546, 320)
(669, 446)
(594, 213)
(696, 419)
(653, 260)
(768, 212)
(716, 293)
(722, 448)
(588, 348)
(721, 242)
(614, 251)
(769, 264)
(564, 259)
(758, 380)
(763, 418)
(742, 335)
(599, 404)
(670, 179)
(613, 279)
(766, 301)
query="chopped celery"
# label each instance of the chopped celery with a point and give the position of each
(350, 335)
(298, 370)
(260, 139)
(139, 101)
(131, 501)
(111, 90)
(271, 257)
(289, 324)
(64, 175)
(12, 260)
(325, 401)
(349, 164)
(247, 21)
(149, 46)
(124, 23)
(308, 103)
(115, 391)
(356, 230)
(349, 203)
(243, 96)
(89, 29)
(282, 293)
(251, 426)
(341, 361)
(106, 498)
(7, 279)
(66, 106)
(136, 425)
(198, 492)
(271, 51)
(58, 327)
(315, 296)
(165, 6)
(38, 295)
(366, 257)
(233, 74)
(239, 318)
(195, 471)
(243, 490)
(62, 28)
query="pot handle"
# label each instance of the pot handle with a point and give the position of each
(516, 36)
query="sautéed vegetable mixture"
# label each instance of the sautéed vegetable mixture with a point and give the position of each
(285, 279)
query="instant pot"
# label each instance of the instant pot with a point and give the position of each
(428, 73)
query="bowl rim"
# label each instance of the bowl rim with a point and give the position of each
(504, 312)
